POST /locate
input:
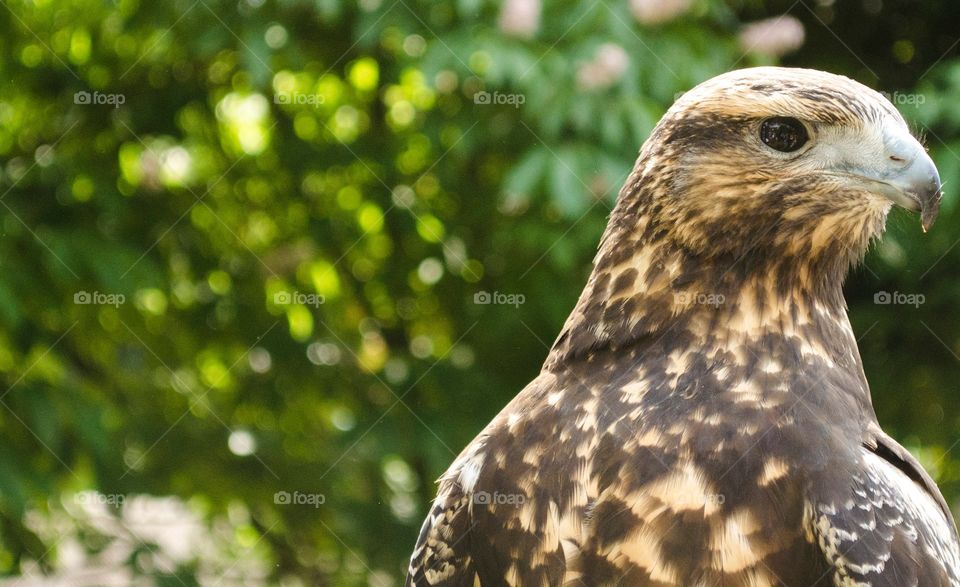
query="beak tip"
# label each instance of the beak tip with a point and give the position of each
(929, 210)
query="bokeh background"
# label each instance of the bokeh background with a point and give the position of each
(268, 265)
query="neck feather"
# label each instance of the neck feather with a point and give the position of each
(651, 282)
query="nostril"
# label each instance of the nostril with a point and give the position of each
(897, 159)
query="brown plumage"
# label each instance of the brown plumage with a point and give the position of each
(703, 417)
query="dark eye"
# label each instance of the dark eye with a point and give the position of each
(783, 134)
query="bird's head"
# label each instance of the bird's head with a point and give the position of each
(792, 160)
(757, 186)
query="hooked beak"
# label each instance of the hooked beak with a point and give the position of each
(909, 177)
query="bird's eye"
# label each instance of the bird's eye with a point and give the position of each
(783, 134)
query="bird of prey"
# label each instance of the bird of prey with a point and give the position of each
(703, 417)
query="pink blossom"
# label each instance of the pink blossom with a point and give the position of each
(773, 36)
(651, 12)
(520, 18)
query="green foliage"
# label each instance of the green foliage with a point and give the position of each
(282, 214)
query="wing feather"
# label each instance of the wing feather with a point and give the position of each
(890, 530)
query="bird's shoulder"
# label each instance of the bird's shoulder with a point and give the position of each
(884, 523)
(471, 492)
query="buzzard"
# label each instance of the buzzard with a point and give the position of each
(703, 417)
